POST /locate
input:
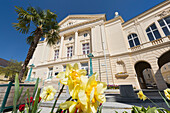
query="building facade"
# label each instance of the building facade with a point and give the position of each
(123, 51)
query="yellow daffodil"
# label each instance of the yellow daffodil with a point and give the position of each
(94, 91)
(167, 93)
(141, 96)
(73, 107)
(48, 93)
(71, 76)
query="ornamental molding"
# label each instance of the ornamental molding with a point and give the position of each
(163, 13)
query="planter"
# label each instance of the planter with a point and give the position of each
(121, 75)
(7, 94)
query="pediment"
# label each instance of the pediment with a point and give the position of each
(77, 19)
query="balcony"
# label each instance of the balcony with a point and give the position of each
(150, 44)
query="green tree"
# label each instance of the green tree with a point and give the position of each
(12, 69)
(38, 23)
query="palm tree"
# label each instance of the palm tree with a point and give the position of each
(38, 23)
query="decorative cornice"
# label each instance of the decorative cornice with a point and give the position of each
(164, 3)
(83, 23)
(114, 19)
(83, 16)
(163, 13)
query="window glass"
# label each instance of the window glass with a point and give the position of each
(166, 31)
(161, 23)
(131, 43)
(85, 48)
(133, 40)
(85, 34)
(150, 36)
(167, 19)
(85, 66)
(153, 32)
(56, 54)
(165, 25)
(156, 33)
(70, 38)
(69, 51)
(153, 26)
(137, 41)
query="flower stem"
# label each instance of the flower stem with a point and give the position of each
(153, 102)
(61, 90)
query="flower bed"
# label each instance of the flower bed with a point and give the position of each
(112, 86)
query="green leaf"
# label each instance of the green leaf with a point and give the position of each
(164, 99)
(36, 101)
(152, 110)
(20, 92)
(35, 88)
(28, 96)
(16, 93)
(22, 98)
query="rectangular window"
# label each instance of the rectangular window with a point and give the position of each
(50, 72)
(85, 66)
(70, 51)
(56, 54)
(86, 48)
(64, 67)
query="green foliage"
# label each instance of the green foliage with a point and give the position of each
(16, 94)
(37, 18)
(29, 107)
(136, 109)
(13, 68)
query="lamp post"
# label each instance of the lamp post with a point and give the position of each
(91, 67)
(29, 76)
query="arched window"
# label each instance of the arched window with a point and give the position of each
(153, 32)
(165, 25)
(133, 40)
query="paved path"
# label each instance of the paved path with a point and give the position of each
(111, 107)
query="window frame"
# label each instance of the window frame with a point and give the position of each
(133, 39)
(85, 48)
(69, 51)
(152, 32)
(166, 25)
(56, 54)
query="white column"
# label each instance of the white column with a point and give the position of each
(104, 41)
(93, 41)
(75, 43)
(61, 47)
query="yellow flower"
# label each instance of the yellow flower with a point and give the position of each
(73, 107)
(94, 91)
(48, 93)
(71, 76)
(141, 96)
(167, 93)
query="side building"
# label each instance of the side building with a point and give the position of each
(131, 52)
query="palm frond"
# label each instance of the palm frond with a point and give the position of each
(30, 39)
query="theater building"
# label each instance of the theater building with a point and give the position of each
(133, 52)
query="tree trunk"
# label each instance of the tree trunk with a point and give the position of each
(38, 35)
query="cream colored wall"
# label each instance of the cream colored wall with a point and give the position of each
(115, 38)
(116, 48)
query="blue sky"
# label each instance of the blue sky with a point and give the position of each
(13, 44)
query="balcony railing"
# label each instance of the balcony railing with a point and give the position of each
(150, 43)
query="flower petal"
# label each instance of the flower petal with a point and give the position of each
(61, 75)
(101, 87)
(101, 98)
(82, 97)
(76, 66)
(72, 108)
(66, 104)
(50, 97)
(82, 72)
